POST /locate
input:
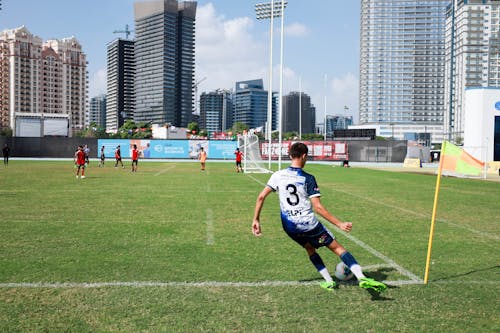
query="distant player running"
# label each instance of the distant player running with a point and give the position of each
(118, 157)
(79, 159)
(299, 195)
(238, 155)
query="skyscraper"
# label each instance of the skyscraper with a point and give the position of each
(250, 104)
(472, 56)
(164, 54)
(97, 111)
(120, 95)
(216, 111)
(402, 62)
(291, 110)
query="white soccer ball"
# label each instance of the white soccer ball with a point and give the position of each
(342, 272)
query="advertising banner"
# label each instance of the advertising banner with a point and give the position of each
(318, 150)
(161, 149)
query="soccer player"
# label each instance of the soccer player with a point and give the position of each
(80, 161)
(239, 155)
(203, 158)
(6, 153)
(135, 158)
(118, 157)
(299, 198)
(86, 150)
(103, 157)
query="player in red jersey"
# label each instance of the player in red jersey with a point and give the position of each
(135, 158)
(80, 161)
(239, 155)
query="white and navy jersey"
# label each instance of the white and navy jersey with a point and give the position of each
(295, 187)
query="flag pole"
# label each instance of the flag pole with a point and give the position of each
(434, 209)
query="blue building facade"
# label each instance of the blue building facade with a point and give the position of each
(250, 104)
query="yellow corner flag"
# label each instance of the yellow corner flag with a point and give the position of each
(458, 162)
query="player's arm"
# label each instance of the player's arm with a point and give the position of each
(323, 212)
(256, 230)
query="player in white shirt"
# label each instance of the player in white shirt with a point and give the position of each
(299, 198)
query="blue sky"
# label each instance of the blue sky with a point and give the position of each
(321, 39)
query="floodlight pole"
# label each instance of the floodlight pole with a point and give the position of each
(325, 107)
(267, 11)
(281, 84)
(300, 108)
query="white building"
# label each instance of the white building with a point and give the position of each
(472, 57)
(482, 123)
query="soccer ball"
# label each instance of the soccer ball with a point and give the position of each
(342, 272)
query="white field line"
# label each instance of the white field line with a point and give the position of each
(205, 284)
(170, 167)
(386, 259)
(409, 211)
(376, 253)
(210, 284)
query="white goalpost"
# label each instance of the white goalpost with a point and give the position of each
(252, 158)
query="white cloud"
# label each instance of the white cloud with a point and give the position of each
(296, 30)
(226, 50)
(97, 84)
(345, 92)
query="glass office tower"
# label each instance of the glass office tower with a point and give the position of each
(164, 54)
(402, 64)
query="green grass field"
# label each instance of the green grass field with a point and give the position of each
(170, 249)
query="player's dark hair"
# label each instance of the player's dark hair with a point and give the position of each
(297, 150)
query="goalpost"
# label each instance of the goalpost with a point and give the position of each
(252, 159)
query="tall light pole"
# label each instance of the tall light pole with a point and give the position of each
(270, 10)
(300, 108)
(325, 105)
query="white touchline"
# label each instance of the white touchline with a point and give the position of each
(399, 268)
(203, 284)
(481, 233)
(165, 170)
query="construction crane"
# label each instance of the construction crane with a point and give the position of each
(126, 31)
(196, 100)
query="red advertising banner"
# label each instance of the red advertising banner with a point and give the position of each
(318, 150)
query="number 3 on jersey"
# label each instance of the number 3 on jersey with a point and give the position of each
(293, 198)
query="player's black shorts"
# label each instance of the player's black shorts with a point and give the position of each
(238, 163)
(317, 237)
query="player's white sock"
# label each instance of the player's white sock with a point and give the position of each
(357, 271)
(325, 274)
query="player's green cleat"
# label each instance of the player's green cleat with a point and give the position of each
(368, 283)
(330, 286)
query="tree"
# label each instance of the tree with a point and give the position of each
(239, 127)
(193, 126)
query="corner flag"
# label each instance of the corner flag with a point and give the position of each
(457, 162)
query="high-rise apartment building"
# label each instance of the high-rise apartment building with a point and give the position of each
(120, 89)
(43, 85)
(250, 104)
(216, 111)
(472, 56)
(97, 110)
(402, 59)
(292, 111)
(74, 78)
(164, 54)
